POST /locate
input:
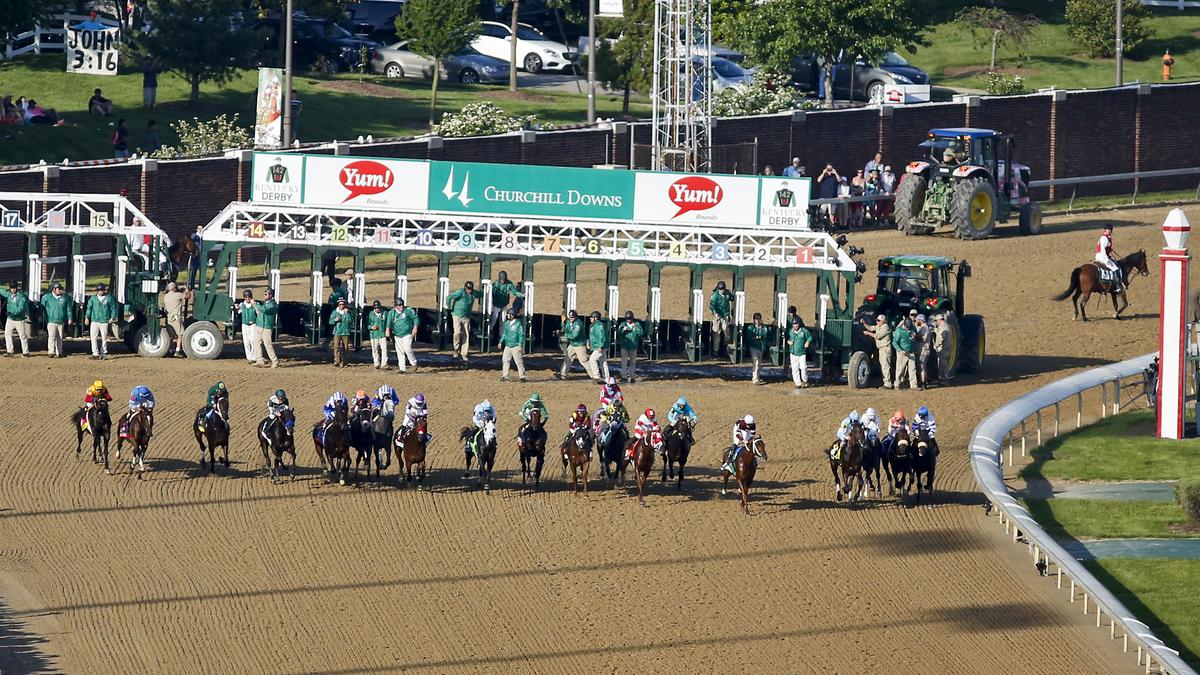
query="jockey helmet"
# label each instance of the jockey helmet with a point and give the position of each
(681, 403)
(486, 403)
(385, 390)
(536, 397)
(280, 394)
(98, 384)
(869, 413)
(221, 386)
(361, 393)
(612, 381)
(581, 408)
(338, 396)
(749, 420)
(854, 417)
(899, 414)
(141, 390)
(720, 285)
(923, 411)
(650, 413)
(1108, 227)
(629, 315)
(419, 398)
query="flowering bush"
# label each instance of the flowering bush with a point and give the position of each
(767, 93)
(483, 119)
(999, 84)
(205, 138)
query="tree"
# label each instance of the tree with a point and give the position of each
(1092, 24)
(436, 29)
(629, 61)
(19, 16)
(997, 25)
(199, 40)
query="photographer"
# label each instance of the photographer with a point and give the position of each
(827, 188)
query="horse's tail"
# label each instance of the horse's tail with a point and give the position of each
(1070, 289)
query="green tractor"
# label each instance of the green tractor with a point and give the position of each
(962, 184)
(924, 283)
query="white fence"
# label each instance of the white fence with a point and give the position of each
(44, 39)
(1177, 4)
(1020, 421)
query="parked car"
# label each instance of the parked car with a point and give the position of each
(315, 40)
(375, 19)
(535, 52)
(717, 50)
(726, 74)
(869, 81)
(536, 13)
(467, 66)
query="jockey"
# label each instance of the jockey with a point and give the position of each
(336, 400)
(277, 404)
(139, 399)
(361, 402)
(870, 422)
(215, 392)
(611, 393)
(606, 416)
(1106, 258)
(484, 413)
(646, 430)
(580, 419)
(386, 400)
(534, 403)
(744, 431)
(681, 409)
(843, 433)
(899, 421)
(415, 409)
(95, 393)
(924, 420)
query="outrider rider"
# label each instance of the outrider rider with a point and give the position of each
(1106, 258)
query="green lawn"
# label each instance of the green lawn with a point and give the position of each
(1161, 594)
(334, 107)
(1122, 447)
(1106, 519)
(1052, 59)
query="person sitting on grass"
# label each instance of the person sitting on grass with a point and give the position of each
(36, 114)
(98, 105)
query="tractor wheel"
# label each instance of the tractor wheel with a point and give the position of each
(973, 208)
(1031, 218)
(910, 200)
(972, 349)
(203, 340)
(858, 371)
(141, 338)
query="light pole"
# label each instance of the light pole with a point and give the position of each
(1120, 42)
(286, 103)
(591, 57)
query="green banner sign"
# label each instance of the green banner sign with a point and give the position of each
(526, 190)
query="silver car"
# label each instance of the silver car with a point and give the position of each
(467, 66)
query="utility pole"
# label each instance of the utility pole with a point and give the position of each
(286, 103)
(1120, 42)
(591, 57)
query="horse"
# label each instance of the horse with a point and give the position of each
(215, 430)
(362, 439)
(871, 462)
(381, 429)
(410, 448)
(577, 451)
(276, 435)
(1085, 280)
(901, 464)
(677, 445)
(744, 466)
(643, 461)
(533, 445)
(331, 439)
(180, 254)
(99, 425)
(612, 449)
(137, 430)
(849, 465)
(480, 442)
(924, 462)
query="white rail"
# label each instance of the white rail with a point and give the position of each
(987, 446)
(34, 40)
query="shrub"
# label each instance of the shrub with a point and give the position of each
(766, 94)
(482, 119)
(206, 138)
(999, 84)
(1092, 24)
(1188, 494)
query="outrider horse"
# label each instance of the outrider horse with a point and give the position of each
(331, 439)
(481, 443)
(677, 439)
(99, 425)
(901, 462)
(181, 254)
(849, 464)
(643, 461)
(613, 440)
(1085, 280)
(745, 464)
(276, 436)
(577, 452)
(410, 448)
(213, 428)
(533, 446)
(137, 429)
(924, 462)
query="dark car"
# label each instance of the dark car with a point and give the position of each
(869, 81)
(317, 42)
(536, 13)
(374, 19)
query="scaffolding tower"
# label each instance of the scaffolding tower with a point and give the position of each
(682, 87)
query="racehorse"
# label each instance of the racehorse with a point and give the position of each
(1085, 280)
(381, 429)
(643, 462)
(872, 459)
(180, 254)
(99, 425)
(744, 466)
(577, 451)
(137, 429)
(924, 462)
(276, 435)
(331, 438)
(849, 465)
(410, 448)
(902, 472)
(612, 450)
(480, 442)
(533, 445)
(215, 430)
(362, 439)
(677, 439)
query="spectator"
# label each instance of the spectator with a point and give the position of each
(843, 192)
(875, 164)
(827, 187)
(767, 170)
(889, 180)
(120, 140)
(874, 186)
(941, 346)
(150, 73)
(9, 112)
(36, 114)
(98, 105)
(793, 170)
(151, 142)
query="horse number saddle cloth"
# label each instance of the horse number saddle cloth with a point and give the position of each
(1107, 277)
(124, 431)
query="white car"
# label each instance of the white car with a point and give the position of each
(535, 52)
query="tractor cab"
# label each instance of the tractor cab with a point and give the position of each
(917, 282)
(953, 148)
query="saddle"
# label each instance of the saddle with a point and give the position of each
(1108, 278)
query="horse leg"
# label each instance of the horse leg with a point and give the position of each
(1083, 305)
(467, 465)
(96, 446)
(744, 493)
(837, 480)
(586, 467)
(574, 479)
(641, 479)
(679, 485)
(666, 467)
(725, 483)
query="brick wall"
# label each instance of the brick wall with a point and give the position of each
(1095, 136)
(1170, 120)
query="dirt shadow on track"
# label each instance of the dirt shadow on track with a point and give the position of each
(994, 617)
(20, 651)
(1002, 368)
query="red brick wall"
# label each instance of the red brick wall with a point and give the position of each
(1170, 120)
(1095, 136)
(192, 192)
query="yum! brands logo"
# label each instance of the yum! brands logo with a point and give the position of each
(365, 177)
(694, 193)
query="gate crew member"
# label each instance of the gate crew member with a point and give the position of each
(718, 304)
(881, 332)
(503, 291)
(340, 320)
(512, 341)
(17, 304)
(598, 344)
(629, 338)
(268, 316)
(756, 340)
(172, 305)
(575, 334)
(377, 331)
(402, 324)
(460, 303)
(799, 340)
(101, 310)
(60, 312)
(248, 311)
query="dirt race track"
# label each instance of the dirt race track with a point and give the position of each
(186, 572)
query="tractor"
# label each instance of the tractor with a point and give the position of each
(923, 283)
(962, 184)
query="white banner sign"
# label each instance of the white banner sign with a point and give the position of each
(268, 115)
(710, 199)
(91, 49)
(366, 183)
(903, 94)
(277, 178)
(612, 8)
(783, 203)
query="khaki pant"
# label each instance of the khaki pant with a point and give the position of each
(597, 363)
(628, 364)
(265, 344)
(756, 356)
(250, 341)
(512, 354)
(22, 330)
(462, 335)
(54, 338)
(404, 352)
(720, 327)
(885, 366)
(379, 352)
(577, 353)
(943, 361)
(799, 369)
(923, 364)
(906, 366)
(99, 335)
(340, 344)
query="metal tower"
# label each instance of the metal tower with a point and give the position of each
(682, 89)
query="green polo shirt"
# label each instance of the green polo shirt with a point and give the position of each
(341, 322)
(101, 310)
(18, 304)
(461, 301)
(513, 334)
(268, 314)
(574, 332)
(502, 292)
(598, 335)
(58, 309)
(718, 302)
(902, 339)
(377, 323)
(800, 338)
(403, 323)
(629, 334)
(339, 293)
(757, 337)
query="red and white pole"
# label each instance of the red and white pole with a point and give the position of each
(1172, 336)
